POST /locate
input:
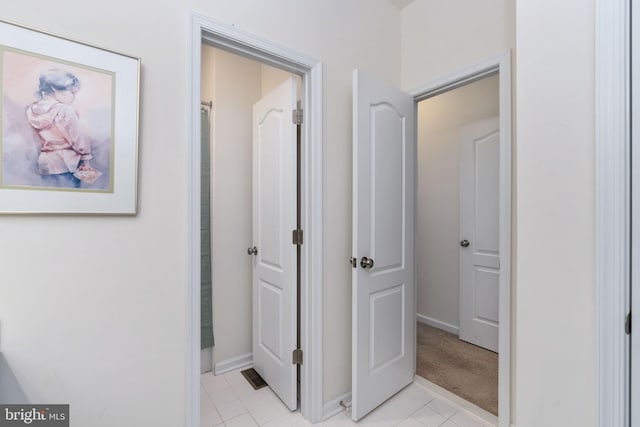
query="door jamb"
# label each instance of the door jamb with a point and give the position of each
(502, 65)
(613, 208)
(241, 43)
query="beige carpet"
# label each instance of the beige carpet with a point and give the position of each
(469, 371)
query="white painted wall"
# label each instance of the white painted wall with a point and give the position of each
(81, 326)
(437, 225)
(208, 74)
(442, 36)
(93, 309)
(555, 329)
(273, 77)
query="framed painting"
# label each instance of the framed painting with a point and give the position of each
(69, 129)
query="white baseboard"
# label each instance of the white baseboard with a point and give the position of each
(438, 324)
(333, 406)
(243, 361)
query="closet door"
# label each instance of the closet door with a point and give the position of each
(479, 233)
(274, 219)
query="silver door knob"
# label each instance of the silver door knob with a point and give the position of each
(366, 262)
(353, 261)
(252, 251)
(464, 243)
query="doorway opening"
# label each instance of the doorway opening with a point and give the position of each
(457, 242)
(234, 85)
(247, 219)
(305, 331)
(499, 67)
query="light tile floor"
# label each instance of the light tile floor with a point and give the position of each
(228, 400)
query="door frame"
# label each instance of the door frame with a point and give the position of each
(613, 208)
(218, 34)
(500, 65)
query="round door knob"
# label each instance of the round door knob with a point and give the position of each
(464, 243)
(366, 262)
(252, 251)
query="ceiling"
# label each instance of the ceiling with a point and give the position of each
(400, 3)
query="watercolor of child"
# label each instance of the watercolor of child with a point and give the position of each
(64, 159)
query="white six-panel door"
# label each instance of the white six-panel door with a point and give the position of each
(479, 233)
(274, 219)
(383, 323)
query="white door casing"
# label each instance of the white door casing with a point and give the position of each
(383, 319)
(204, 29)
(274, 219)
(616, 66)
(479, 233)
(631, 240)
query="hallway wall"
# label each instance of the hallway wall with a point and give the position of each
(439, 37)
(555, 164)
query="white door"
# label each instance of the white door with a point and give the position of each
(479, 236)
(384, 320)
(274, 219)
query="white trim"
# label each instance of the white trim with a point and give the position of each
(193, 192)
(333, 406)
(311, 383)
(228, 365)
(465, 405)
(502, 65)
(438, 324)
(458, 78)
(253, 47)
(632, 296)
(612, 208)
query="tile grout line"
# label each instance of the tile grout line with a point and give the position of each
(280, 416)
(215, 408)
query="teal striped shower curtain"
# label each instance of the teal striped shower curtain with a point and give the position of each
(206, 308)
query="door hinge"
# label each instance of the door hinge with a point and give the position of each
(627, 324)
(297, 237)
(297, 116)
(297, 356)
